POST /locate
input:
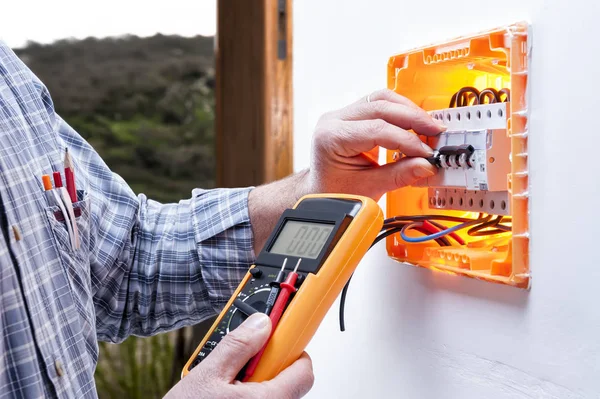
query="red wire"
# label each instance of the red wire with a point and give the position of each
(433, 229)
(425, 230)
(429, 228)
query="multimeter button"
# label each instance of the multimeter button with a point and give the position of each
(256, 272)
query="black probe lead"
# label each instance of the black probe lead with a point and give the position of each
(275, 288)
(244, 307)
(380, 237)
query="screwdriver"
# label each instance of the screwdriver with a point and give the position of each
(275, 288)
(285, 290)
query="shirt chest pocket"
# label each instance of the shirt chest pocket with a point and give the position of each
(76, 260)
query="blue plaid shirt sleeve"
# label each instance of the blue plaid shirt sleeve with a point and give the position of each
(155, 267)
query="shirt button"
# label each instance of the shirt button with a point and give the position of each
(59, 368)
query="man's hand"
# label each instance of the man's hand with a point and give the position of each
(337, 166)
(214, 377)
(380, 119)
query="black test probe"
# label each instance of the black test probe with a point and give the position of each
(275, 284)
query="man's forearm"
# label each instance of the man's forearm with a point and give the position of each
(266, 204)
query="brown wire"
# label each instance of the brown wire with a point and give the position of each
(468, 94)
(460, 96)
(505, 92)
(491, 94)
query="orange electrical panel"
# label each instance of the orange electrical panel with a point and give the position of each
(478, 86)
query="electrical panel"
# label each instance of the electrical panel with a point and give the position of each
(477, 85)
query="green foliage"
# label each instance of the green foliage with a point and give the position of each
(147, 106)
(137, 368)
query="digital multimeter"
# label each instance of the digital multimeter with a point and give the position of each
(325, 237)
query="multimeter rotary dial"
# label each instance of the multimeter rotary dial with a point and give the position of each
(256, 297)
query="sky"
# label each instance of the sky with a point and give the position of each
(46, 21)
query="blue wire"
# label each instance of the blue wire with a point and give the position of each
(435, 235)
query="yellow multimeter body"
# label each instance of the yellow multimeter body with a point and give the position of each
(330, 233)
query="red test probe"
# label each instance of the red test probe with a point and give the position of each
(285, 290)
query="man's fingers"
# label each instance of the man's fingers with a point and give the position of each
(362, 136)
(293, 382)
(396, 114)
(237, 347)
(388, 95)
(399, 174)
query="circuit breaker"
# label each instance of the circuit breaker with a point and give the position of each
(478, 86)
(473, 160)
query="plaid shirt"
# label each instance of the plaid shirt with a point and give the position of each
(142, 267)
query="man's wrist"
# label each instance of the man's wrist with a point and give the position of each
(266, 203)
(305, 184)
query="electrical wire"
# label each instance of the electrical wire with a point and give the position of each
(491, 94)
(453, 101)
(468, 94)
(380, 237)
(425, 228)
(389, 229)
(435, 235)
(432, 217)
(460, 96)
(400, 224)
(455, 236)
(469, 98)
(428, 228)
(476, 231)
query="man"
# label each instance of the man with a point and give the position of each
(142, 267)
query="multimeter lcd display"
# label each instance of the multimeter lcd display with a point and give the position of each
(302, 239)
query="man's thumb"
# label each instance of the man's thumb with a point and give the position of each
(237, 347)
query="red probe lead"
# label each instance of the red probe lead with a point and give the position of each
(285, 290)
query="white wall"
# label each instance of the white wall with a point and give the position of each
(412, 333)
